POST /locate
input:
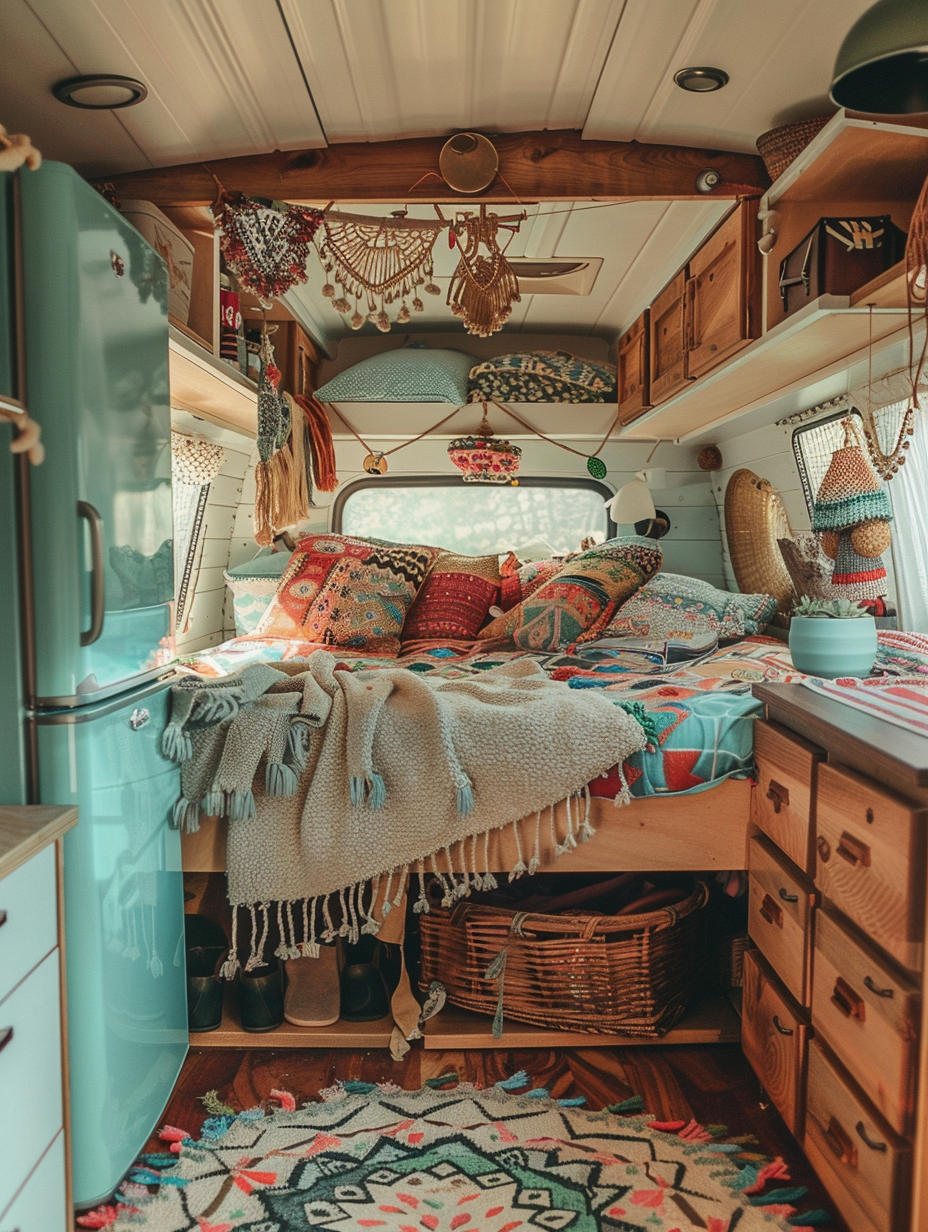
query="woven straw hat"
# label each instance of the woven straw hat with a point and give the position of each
(850, 492)
(754, 520)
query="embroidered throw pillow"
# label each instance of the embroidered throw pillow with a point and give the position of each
(675, 608)
(455, 598)
(523, 580)
(580, 599)
(340, 591)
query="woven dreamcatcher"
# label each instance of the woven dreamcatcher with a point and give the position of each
(484, 286)
(265, 243)
(377, 262)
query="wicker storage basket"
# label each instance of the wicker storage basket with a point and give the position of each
(779, 146)
(629, 975)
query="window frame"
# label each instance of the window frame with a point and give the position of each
(454, 481)
(798, 432)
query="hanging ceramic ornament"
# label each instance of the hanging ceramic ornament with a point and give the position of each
(596, 467)
(375, 464)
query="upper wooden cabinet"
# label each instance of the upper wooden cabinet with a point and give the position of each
(722, 309)
(633, 376)
(668, 340)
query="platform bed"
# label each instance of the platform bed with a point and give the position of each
(699, 832)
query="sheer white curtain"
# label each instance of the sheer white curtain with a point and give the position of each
(908, 492)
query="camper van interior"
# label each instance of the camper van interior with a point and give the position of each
(464, 656)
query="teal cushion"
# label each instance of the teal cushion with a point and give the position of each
(253, 585)
(672, 607)
(408, 374)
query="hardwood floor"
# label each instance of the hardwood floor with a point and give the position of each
(714, 1084)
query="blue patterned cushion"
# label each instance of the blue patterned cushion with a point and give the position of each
(543, 376)
(408, 374)
(675, 608)
(253, 584)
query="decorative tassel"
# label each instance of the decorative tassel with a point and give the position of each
(627, 1107)
(216, 705)
(401, 886)
(421, 905)
(214, 1105)
(358, 1088)
(465, 797)
(240, 805)
(328, 933)
(586, 830)
(535, 861)
(624, 795)
(231, 965)
(212, 803)
(779, 1197)
(356, 786)
(497, 971)
(520, 867)
(537, 1093)
(343, 927)
(298, 745)
(520, 1079)
(186, 816)
(293, 950)
(280, 779)
(176, 744)
(378, 792)
(283, 950)
(809, 1219)
(577, 1102)
(387, 905)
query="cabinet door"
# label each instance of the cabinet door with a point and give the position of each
(633, 379)
(773, 1036)
(668, 354)
(722, 293)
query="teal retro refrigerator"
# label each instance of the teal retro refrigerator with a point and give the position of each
(95, 316)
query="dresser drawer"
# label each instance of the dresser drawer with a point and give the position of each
(869, 1018)
(869, 855)
(863, 1164)
(780, 915)
(773, 1038)
(40, 1206)
(30, 1075)
(29, 897)
(782, 803)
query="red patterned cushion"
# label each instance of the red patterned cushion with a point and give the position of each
(455, 598)
(339, 591)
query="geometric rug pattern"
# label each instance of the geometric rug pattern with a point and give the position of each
(461, 1160)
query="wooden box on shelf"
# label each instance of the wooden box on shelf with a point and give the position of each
(723, 293)
(668, 340)
(633, 385)
(202, 324)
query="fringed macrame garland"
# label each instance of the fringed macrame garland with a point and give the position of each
(265, 243)
(484, 286)
(380, 262)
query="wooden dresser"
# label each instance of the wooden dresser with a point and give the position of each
(34, 1188)
(834, 1018)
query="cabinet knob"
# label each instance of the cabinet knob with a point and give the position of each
(841, 1142)
(877, 992)
(771, 911)
(853, 850)
(824, 849)
(778, 795)
(862, 1132)
(779, 1026)
(850, 1003)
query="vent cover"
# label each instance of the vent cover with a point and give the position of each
(556, 275)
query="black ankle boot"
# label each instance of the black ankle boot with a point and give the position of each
(206, 949)
(261, 997)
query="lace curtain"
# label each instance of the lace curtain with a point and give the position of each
(908, 493)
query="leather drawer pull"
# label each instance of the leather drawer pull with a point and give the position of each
(853, 850)
(847, 1000)
(779, 1026)
(6, 1037)
(874, 1146)
(771, 911)
(841, 1142)
(877, 992)
(787, 897)
(778, 795)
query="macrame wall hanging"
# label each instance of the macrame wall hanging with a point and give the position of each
(376, 263)
(887, 462)
(283, 483)
(195, 462)
(484, 286)
(266, 244)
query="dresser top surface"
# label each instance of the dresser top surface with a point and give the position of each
(26, 829)
(883, 751)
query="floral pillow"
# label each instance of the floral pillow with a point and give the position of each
(542, 376)
(675, 608)
(340, 591)
(455, 598)
(575, 604)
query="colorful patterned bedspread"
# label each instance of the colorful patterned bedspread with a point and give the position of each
(696, 703)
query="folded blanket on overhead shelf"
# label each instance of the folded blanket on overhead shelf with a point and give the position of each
(332, 779)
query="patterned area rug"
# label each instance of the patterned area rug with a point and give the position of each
(461, 1160)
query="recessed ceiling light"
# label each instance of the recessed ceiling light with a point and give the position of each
(701, 80)
(100, 92)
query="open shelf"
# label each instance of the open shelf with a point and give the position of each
(338, 1035)
(209, 387)
(709, 1021)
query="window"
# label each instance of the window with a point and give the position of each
(474, 518)
(813, 445)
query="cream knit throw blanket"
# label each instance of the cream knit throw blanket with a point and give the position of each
(372, 773)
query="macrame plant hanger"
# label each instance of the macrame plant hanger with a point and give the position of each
(484, 286)
(377, 261)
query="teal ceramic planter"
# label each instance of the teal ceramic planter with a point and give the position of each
(824, 646)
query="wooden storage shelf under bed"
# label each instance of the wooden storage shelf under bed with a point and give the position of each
(692, 833)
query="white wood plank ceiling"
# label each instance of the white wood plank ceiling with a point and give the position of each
(237, 77)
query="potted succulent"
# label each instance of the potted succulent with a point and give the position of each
(832, 637)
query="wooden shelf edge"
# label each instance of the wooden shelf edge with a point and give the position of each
(710, 1021)
(208, 388)
(194, 348)
(26, 829)
(887, 290)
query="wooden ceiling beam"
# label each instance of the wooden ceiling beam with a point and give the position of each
(547, 166)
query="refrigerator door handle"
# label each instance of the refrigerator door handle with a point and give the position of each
(95, 522)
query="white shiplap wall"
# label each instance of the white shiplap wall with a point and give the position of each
(693, 545)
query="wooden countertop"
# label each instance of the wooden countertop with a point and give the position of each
(26, 829)
(883, 751)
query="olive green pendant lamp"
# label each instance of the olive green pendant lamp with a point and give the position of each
(882, 67)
